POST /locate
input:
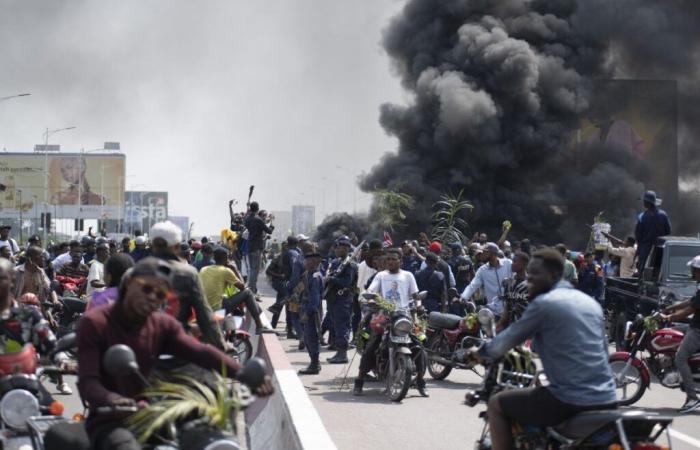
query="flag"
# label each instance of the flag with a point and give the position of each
(388, 242)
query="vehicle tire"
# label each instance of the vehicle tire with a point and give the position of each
(401, 378)
(626, 377)
(438, 345)
(242, 349)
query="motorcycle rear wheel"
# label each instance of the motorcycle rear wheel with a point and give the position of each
(437, 370)
(401, 378)
(626, 377)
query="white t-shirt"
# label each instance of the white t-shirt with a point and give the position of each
(395, 287)
(9, 242)
(97, 272)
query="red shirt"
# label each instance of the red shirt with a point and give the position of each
(100, 328)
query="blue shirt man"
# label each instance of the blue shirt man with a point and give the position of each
(310, 310)
(568, 332)
(341, 279)
(651, 224)
(433, 281)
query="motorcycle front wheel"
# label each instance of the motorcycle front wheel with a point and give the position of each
(241, 349)
(438, 346)
(401, 378)
(629, 385)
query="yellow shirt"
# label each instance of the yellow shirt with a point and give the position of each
(217, 280)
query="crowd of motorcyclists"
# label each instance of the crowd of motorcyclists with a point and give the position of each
(148, 293)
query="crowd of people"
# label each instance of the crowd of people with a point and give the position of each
(125, 285)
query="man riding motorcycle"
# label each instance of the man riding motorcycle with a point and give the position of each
(568, 332)
(398, 286)
(691, 340)
(136, 320)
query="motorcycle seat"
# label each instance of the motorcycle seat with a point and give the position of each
(585, 423)
(75, 305)
(441, 320)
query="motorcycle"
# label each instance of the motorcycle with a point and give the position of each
(450, 337)
(192, 431)
(25, 405)
(239, 339)
(633, 369)
(605, 429)
(400, 354)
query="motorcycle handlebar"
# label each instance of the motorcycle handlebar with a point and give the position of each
(115, 409)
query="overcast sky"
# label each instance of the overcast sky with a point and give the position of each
(206, 97)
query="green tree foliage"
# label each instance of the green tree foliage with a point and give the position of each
(448, 222)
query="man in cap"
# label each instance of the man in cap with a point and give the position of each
(165, 240)
(691, 340)
(311, 309)
(289, 257)
(435, 247)
(7, 241)
(489, 279)
(651, 224)
(341, 279)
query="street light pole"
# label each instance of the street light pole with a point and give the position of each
(47, 134)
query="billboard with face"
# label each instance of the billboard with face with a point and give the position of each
(70, 185)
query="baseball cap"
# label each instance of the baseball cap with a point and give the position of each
(491, 247)
(140, 240)
(435, 247)
(695, 262)
(343, 240)
(302, 237)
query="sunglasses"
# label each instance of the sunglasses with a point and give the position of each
(149, 289)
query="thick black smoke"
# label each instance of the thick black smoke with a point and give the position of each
(337, 225)
(499, 87)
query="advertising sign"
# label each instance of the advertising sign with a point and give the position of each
(72, 185)
(142, 209)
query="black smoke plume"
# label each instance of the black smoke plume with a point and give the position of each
(339, 224)
(498, 88)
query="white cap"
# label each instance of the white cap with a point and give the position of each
(302, 237)
(168, 231)
(506, 244)
(695, 262)
(140, 240)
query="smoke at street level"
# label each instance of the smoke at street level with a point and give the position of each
(499, 87)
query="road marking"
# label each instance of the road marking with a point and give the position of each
(684, 437)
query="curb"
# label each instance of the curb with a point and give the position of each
(288, 419)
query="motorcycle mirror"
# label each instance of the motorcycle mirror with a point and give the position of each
(422, 295)
(67, 342)
(253, 373)
(485, 317)
(119, 360)
(369, 296)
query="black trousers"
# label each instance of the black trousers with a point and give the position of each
(115, 438)
(246, 297)
(538, 407)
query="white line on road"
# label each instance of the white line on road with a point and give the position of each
(684, 437)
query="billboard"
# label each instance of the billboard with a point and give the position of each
(67, 185)
(639, 116)
(142, 209)
(183, 222)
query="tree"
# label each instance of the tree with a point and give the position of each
(448, 224)
(391, 207)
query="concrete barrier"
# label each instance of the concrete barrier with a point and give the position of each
(287, 419)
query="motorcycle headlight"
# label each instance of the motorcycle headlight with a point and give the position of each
(17, 406)
(402, 327)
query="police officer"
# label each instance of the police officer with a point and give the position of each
(341, 279)
(311, 309)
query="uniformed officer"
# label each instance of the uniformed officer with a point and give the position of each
(311, 310)
(463, 271)
(341, 280)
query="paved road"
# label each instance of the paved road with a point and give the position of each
(439, 422)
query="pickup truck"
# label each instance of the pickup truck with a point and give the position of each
(665, 280)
